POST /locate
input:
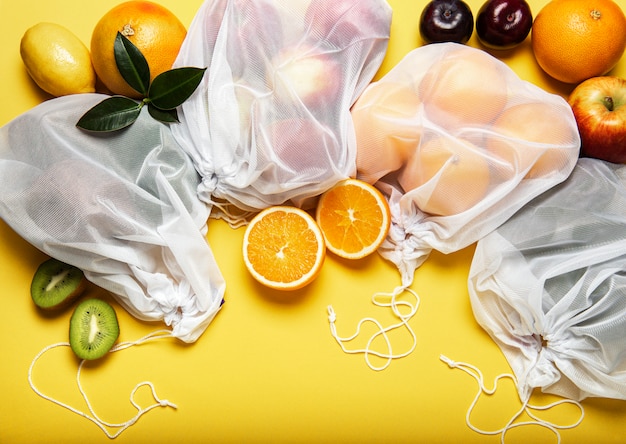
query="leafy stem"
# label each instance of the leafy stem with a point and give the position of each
(166, 92)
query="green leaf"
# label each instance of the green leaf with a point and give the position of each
(162, 115)
(131, 64)
(173, 87)
(111, 114)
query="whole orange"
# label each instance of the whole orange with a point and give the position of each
(574, 40)
(155, 30)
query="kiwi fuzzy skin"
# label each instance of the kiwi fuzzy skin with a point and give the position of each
(40, 300)
(94, 314)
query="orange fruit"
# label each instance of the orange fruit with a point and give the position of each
(155, 30)
(535, 134)
(466, 87)
(283, 248)
(354, 218)
(446, 176)
(574, 40)
(387, 128)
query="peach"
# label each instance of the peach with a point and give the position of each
(466, 87)
(533, 137)
(446, 175)
(387, 128)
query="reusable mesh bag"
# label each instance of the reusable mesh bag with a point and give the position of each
(549, 286)
(120, 206)
(270, 123)
(458, 143)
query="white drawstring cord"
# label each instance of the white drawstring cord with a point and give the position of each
(94, 418)
(225, 211)
(527, 408)
(395, 305)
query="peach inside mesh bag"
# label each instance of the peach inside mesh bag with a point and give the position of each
(457, 143)
(270, 123)
(548, 286)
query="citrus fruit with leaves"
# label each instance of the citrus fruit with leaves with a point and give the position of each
(574, 40)
(162, 96)
(152, 28)
(57, 60)
(354, 218)
(283, 248)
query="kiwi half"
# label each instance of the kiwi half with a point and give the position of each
(93, 329)
(56, 284)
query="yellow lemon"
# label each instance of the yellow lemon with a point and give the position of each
(57, 60)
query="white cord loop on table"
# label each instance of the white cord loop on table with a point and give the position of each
(395, 304)
(527, 408)
(94, 417)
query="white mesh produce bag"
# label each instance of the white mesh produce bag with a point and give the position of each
(458, 143)
(549, 286)
(120, 206)
(270, 123)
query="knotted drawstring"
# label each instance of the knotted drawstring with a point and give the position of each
(527, 408)
(94, 417)
(395, 305)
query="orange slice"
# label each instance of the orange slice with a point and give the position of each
(354, 218)
(283, 248)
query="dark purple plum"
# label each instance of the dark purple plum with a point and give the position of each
(503, 24)
(446, 21)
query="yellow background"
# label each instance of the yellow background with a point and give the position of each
(267, 368)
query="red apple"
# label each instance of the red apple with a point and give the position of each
(343, 22)
(304, 73)
(301, 146)
(599, 106)
(258, 32)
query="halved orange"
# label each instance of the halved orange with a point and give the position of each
(354, 218)
(283, 248)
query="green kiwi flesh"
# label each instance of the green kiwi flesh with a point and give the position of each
(93, 329)
(56, 284)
